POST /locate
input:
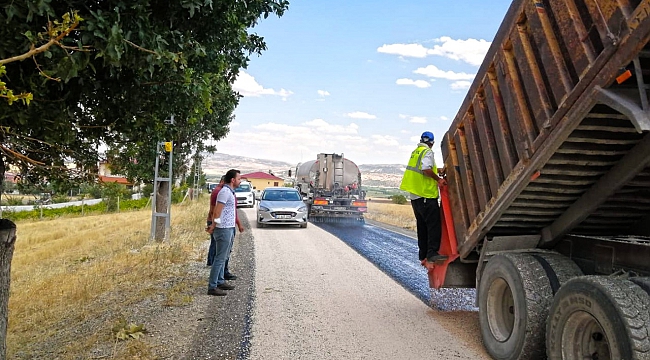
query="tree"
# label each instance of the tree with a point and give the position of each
(115, 77)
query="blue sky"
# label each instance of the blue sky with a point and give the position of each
(359, 77)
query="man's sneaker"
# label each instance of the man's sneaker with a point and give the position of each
(225, 286)
(217, 292)
(436, 258)
(230, 277)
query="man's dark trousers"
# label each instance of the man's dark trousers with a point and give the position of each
(429, 229)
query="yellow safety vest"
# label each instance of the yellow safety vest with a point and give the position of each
(414, 181)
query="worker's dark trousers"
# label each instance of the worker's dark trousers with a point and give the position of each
(427, 216)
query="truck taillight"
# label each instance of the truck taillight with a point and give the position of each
(320, 201)
(359, 203)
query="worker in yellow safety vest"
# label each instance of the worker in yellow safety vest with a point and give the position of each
(421, 180)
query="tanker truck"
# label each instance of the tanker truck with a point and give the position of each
(331, 187)
(548, 171)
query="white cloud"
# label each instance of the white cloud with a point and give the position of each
(408, 50)
(417, 83)
(322, 126)
(444, 118)
(418, 120)
(433, 72)
(361, 115)
(460, 85)
(415, 139)
(234, 124)
(323, 93)
(402, 116)
(471, 51)
(384, 140)
(246, 85)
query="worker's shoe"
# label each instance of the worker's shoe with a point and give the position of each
(217, 292)
(436, 258)
(225, 286)
(230, 277)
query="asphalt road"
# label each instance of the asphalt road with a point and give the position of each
(340, 293)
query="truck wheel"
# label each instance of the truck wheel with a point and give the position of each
(514, 298)
(643, 282)
(559, 268)
(598, 317)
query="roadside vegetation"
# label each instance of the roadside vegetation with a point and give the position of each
(389, 212)
(74, 280)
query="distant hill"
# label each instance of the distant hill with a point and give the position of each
(217, 164)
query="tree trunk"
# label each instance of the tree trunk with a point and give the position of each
(162, 201)
(7, 241)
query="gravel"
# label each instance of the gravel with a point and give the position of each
(316, 298)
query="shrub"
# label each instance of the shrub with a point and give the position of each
(147, 190)
(398, 199)
(111, 192)
(60, 198)
(13, 200)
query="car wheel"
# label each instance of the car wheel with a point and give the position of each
(260, 225)
(303, 225)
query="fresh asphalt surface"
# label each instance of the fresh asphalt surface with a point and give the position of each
(396, 255)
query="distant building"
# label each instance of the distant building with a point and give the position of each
(261, 180)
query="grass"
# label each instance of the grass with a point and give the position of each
(73, 278)
(387, 212)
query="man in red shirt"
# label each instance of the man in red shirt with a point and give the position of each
(213, 246)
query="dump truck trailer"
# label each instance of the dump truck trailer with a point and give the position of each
(331, 185)
(548, 170)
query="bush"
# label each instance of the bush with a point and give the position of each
(111, 192)
(72, 210)
(147, 190)
(12, 200)
(60, 198)
(94, 191)
(398, 199)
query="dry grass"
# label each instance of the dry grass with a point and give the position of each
(73, 278)
(393, 214)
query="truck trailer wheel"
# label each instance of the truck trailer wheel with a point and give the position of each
(598, 317)
(514, 298)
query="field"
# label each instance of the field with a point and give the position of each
(385, 211)
(75, 278)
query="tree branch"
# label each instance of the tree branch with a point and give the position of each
(140, 47)
(33, 51)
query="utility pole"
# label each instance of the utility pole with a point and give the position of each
(162, 191)
(197, 176)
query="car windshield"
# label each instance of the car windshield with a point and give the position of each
(280, 195)
(243, 188)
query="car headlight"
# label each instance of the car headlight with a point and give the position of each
(262, 208)
(302, 209)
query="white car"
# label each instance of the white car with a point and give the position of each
(281, 206)
(245, 195)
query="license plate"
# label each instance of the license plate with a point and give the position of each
(284, 216)
(339, 208)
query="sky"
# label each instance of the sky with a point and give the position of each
(362, 78)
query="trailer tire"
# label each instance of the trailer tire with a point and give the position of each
(643, 282)
(514, 298)
(560, 268)
(599, 317)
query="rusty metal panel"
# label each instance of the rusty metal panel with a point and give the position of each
(503, 139)
(487, 143)
(466, 174)
(517, 111)
(574, 35)
(476, 161)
